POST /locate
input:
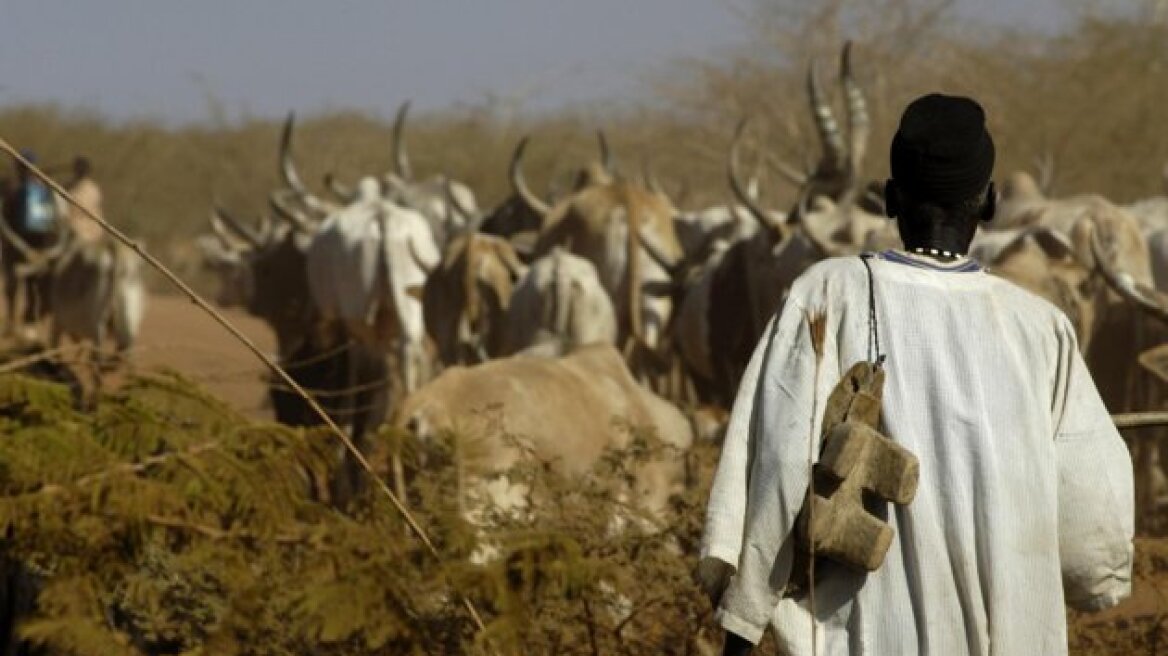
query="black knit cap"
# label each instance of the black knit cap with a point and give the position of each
(942, 152)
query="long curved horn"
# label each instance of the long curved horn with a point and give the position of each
(811, 228)
(401, 160)
(343, 193)
(740, 191)
(605, 152)
(857, 112)
(792, 174)
(287, 168)
(220, 217)
(1147, 299)
(296, 219)
(519, 185)
(825, 123)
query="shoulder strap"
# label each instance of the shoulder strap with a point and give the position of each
(875, 356)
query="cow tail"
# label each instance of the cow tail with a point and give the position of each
(633, 266)
(473, 308)
(385, 296)
(562, 300)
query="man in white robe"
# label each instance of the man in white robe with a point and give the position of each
(1025, 500)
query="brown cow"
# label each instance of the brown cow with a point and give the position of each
(600, 222)
(465, 299)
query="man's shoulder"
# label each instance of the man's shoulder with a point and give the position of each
(833, 268)
(831, 275)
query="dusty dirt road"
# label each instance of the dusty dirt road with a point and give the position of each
(176, 334)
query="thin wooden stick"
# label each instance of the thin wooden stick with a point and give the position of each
(48, 354)
(1140, 419)
(243, 339)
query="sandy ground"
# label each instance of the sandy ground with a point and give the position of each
(177, 334)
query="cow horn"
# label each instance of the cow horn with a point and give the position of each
(401, 159)
(220, 217)
(811, 229)
(287, 167)
(857, 112)
(740, 191)
(296, 219)
(825, 123)
(1149, 300)
(605, 152)
(344, 193)
(519, 185)
(1044, 168)
(792, 174)
(288, 170)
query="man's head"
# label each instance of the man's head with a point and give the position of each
(942, 158)
(81, 167)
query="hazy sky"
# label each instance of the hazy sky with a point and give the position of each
(167, 58)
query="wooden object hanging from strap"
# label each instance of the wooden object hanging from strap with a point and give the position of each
(858, 473)
(857, 462)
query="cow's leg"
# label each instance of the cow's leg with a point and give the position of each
(410, 366)
(11, 290)
(97, 358)
(347, 477)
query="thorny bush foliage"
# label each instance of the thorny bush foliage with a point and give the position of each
(162, 522)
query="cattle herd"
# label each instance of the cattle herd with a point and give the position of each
(397, 298)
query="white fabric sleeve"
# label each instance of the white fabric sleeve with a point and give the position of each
(785, 411)
(726, 509)
(1095, 493)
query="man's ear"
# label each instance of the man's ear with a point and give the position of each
(891, 199)
(990, 206)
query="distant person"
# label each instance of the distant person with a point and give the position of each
(32, 212)
(88, 195)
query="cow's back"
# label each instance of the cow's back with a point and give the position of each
(566, 410)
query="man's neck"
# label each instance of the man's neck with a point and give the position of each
(940, 254)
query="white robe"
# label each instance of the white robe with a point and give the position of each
(1025, 500)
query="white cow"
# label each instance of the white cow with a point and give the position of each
(97, 290)
(730, 223)
(366, 267)
(559, 305)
